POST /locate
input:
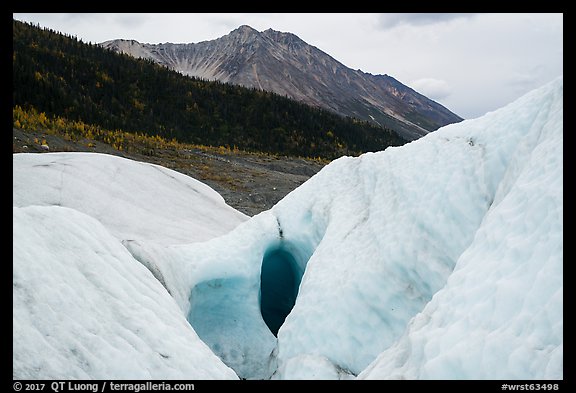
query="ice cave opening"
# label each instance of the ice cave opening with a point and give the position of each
(279, 282)
(239, 316)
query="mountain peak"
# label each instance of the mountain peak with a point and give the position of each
(245, 30)
(242, 35)
(276, 36)
(282, 37)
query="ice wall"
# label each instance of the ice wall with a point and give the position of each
(500, 314)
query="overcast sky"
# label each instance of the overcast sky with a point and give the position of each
(470, 63)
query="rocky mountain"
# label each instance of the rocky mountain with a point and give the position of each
(283, 63)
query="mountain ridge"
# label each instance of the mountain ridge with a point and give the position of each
(63, 77)
(283, 63)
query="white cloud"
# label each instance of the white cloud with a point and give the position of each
(432, 88)
(388, 21)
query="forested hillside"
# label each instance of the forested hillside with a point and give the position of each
(65, 77)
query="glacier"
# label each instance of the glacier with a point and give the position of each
(440, 259)
(83, 306)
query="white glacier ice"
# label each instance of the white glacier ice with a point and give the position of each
(500, 314)
(440, 259)
(84, 308)
(134, 200)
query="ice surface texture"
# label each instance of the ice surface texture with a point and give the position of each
(83, 308)
(500, 314)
